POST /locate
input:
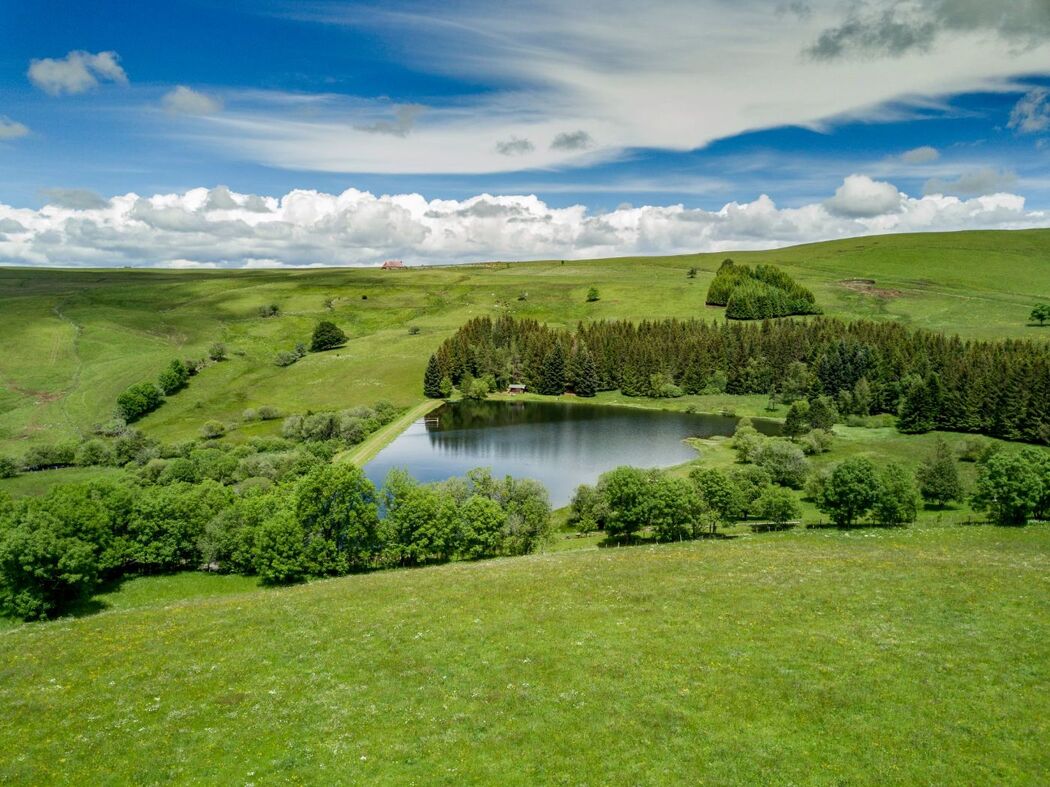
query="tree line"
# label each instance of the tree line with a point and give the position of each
(321, 519)
(929, 380)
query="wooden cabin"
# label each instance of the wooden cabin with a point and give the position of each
(393, 265)
(516, 388)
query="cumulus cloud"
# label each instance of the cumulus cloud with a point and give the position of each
(185, 101)
(216, 227)
(572, 140)
(892, 28)
(10, 129)
(920, 155)
(404, 120)
(986, 180)
(1031, 114)
(515, 146)
(75, 199)
(859, 196)
(77, 72)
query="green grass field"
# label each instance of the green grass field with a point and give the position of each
(900, 656)
(813, 656)
(74, 339)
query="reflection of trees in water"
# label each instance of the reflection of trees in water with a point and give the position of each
(488, 415)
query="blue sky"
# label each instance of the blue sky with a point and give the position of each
(597, 108)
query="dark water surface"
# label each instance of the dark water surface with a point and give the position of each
(561, 445)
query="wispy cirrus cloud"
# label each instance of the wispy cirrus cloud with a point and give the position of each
(555, 69)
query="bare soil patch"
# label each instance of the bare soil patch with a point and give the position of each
(867, 287)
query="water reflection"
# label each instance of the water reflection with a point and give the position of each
(561, 445)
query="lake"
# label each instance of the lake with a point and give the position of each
(561, 445)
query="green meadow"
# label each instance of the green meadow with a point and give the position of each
(73, 340)
(869, 655)
(883, 656)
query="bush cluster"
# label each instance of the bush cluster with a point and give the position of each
(312, 519)
(350, 426)
(288, 357)
(758, 293)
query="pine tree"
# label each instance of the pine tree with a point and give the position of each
(938, 476)
(583, 373)
(432, 379)
(552, 375)
(797, 422)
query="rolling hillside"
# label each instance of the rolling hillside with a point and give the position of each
(74, 339)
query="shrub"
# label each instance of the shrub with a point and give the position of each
(43, 457)
(177, 470)
(746, 441)
(138, 400)
(44, 565)
(592, 295)
(897, 499)
(8, 467)
(217, 352)
(268, 413)
(587, 511)
(719, 492)
(413, 330)
(288, 357)
(778, 506)
(279, 555)
(784, 461)
(817, 441)
(174, 378)
(250, 415)
(93, 452)
(326, 336)
(849, 491)
(272, 310)
(1010, 487)
(751, 481)
(212, 430)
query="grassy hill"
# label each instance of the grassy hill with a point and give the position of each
(893, 656)
(74, 339)
(906, 655)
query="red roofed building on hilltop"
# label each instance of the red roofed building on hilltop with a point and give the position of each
(393, 265)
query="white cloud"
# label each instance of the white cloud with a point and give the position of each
(197, 228)
(553, 67)
(920, 155)
(986, 180)
(1031, 114)
(859, 196)
(10, 129)
(185, 101)
(77, 72)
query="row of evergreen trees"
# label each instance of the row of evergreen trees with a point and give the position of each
(759, 292)
(932, 381)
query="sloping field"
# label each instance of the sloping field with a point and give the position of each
(74, 339)
(876, 656)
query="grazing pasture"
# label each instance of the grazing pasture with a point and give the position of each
(75, 339)
(917, 655)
